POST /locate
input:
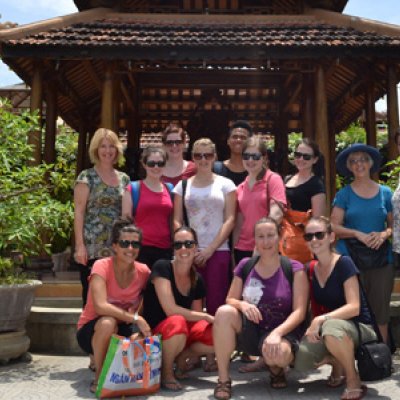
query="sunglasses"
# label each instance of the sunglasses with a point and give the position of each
(176, 142)
(305, 156)
(355, 161)
(318, 235)
(126, 243)
(188, 244)
(152, 164)
(254, 156)
(200, 156)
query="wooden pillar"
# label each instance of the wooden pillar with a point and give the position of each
(107, 103)
(392, 110)
(370, 117)
(82, 146)
(322, 130)
(35, 138)
(308, 106)
(51, 123)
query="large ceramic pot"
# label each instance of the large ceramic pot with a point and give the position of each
(15, 305)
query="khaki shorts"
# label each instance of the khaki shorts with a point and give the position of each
(310, 354)
(378, 286)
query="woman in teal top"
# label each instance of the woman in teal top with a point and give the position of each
(363, 210)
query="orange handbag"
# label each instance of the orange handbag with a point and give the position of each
(292, 243)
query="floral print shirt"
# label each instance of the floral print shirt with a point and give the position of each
(396, 219)
(102, 208)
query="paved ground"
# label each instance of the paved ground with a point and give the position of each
(67, 377)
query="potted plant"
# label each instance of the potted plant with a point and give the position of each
(16, 298)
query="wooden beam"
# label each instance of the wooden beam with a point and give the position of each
(51, 123)
(35, 138)
(370, 116)
(107, 103)
(308, 106)
(87, 65)
(127, 97)
(322, 127)
(392, 110)
(293, 97)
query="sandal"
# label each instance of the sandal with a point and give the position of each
(255, 366)
(93, 387)
(354, 394)
(210, 366)
(278, 380)
(333, 382)
(172, 386)
(181, 374)
(223, 390)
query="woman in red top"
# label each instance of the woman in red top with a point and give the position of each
(153, 212)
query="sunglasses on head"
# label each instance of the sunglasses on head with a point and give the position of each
(254, 156)
(188, 244)
(152, 164)
(318, 235)
(305, 156)
(176, 142)
(200, 156)
(126, 243)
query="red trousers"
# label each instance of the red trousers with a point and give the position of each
(196, 331)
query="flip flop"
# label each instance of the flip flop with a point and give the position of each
(362, 391)
(333, 382)
(253, 367)
(93, 387)
(172, 386)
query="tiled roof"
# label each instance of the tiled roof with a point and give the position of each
(125, 34)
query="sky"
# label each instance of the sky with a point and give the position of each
(27, 11)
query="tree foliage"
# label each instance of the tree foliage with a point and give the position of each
(36, 207)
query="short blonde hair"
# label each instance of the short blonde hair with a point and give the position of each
(204, 142)
(95, 143)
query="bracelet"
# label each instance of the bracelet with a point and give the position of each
(135, 317)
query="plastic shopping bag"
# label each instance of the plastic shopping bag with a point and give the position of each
(131, 367)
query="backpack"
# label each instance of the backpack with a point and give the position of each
(135, 185)
(285, 263)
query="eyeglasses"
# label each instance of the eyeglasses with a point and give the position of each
(188, 244)
(238, 137)
(305, 156)
(318, 235)
(355, 161)
(152, 164)
(176, 142)
(126, 243)
(200, 156)
(254, 156)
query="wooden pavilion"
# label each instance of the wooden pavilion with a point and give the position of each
(134, 65)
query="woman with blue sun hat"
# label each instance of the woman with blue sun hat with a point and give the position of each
(362, 219)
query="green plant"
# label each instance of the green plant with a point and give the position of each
(10, 274)
(35, 200)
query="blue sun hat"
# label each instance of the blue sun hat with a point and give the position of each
(341, 159)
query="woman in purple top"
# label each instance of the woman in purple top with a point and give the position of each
(263, 311)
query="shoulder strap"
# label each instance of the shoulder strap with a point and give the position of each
(248, 267)
(170, 188)
(185, 216)
(135, 185)
(218, 167)
(287, 269)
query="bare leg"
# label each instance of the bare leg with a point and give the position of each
(103, 330)
(383, 329)
(170, 350)
(343, 351)
(227, 324)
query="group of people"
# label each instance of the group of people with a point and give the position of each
(195, 252)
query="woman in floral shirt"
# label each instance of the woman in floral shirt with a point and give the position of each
(97, 197)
